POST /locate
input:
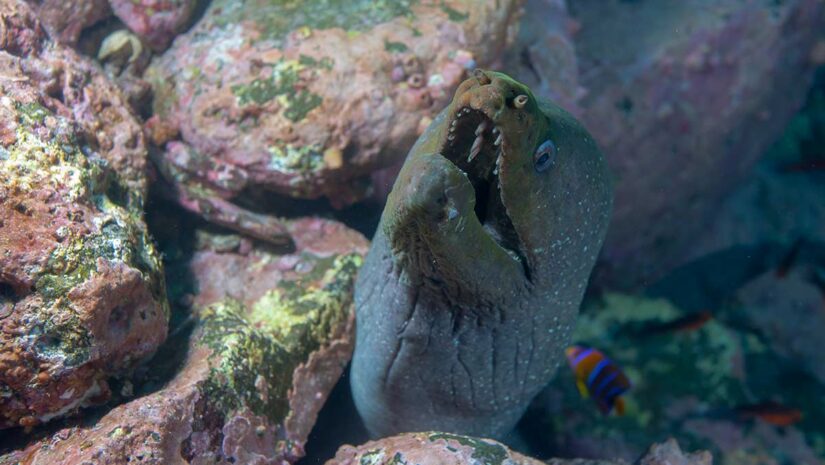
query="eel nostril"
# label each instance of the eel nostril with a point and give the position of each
(481, 77)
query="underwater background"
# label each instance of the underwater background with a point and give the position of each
(188, 189)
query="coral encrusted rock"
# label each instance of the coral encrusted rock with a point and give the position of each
(305, 99)
(430, 449)
(273, 333)
(435, 448)
(81, 286)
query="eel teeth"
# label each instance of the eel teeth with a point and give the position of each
(481, 128)
(498, 140)
(476, 148)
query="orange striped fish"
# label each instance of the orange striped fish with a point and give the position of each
(598, 377)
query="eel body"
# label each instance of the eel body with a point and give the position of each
(469, 294)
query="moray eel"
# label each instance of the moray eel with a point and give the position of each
(470, 291)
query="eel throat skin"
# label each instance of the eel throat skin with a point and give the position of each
(469, 294)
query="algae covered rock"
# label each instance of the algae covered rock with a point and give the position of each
(307, 98)
(683, 97)
(689, 382)
(74, 88)
(81, 286)
(430, 449)
(435, 448)
(255, 370)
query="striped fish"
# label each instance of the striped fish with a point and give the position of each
(598, 377)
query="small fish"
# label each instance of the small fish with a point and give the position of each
(599, 377)
(690, 322)
(770, 412)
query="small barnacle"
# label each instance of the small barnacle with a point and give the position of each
(120, 48)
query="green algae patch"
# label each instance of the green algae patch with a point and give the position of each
(301, 104)
(395, 47)
(255, 350)
(324, 63)
(296, 158)
(485, 452)
(281, 85)
(453, 14)
(277, 18)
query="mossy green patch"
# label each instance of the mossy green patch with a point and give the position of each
(486, 453)
(36, 164)
(372, 457)
(284, 85)
(395, 47)
(308, 61)
(294, 158)
(256, 350)
(277, 18)
(454, 14)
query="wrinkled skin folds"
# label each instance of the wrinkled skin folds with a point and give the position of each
(470, 291)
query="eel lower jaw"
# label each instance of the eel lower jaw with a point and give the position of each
(476, 146)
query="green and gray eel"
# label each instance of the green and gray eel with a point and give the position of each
(469, 294)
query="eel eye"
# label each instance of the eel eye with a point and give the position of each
(544, 156)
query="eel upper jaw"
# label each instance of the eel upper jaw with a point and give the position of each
(476, 145)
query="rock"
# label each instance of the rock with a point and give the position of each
(781, 202)
(66, 19)
(451, 449)
(430, 449)
(155, 21)
(789, 311)
(669, 453)
(75, 88)
(683, 99)
(81, 286)
(689, 383)
(273, 332)
(305, 101)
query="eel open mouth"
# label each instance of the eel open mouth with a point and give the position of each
(476, 146)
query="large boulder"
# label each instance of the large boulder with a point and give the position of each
(430, 449)
(305, 99)
(435, 448)
(683, 97)
(82, 297)
(273, 330)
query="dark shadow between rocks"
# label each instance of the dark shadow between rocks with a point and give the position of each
(338, 424)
